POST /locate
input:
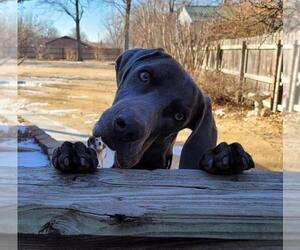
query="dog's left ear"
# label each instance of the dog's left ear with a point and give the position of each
(203, 137)
(128, 58)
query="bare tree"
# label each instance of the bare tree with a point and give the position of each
(185, 43)
(74, 9)
(83, 35)
(33, 33)
(8, 35)
(124, 8)
(115, 30)
(247, 18)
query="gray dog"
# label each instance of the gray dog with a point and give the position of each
(155, 99)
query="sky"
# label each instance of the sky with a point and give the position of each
(92, 23)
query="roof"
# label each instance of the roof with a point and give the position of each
(67, 37)
(197, 13)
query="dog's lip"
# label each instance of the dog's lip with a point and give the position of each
(108, 143)
(118, 145)
(127, 154)
(127, 162)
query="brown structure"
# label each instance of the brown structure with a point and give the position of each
(65, 48)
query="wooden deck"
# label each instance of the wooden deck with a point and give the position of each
(137, 209)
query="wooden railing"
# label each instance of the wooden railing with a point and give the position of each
(138, 207)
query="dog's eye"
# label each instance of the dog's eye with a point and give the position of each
(179, 116)
(145, 76)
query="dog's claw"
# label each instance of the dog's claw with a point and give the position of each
(66, 162)
(75, 157)
(226, 159)
(83, 162)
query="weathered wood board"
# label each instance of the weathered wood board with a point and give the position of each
(161, 203)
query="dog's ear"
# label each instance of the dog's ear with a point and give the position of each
(128, 58)
(203, 137)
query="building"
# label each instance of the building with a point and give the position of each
(65, 42)
(65, 48)
(190, 14)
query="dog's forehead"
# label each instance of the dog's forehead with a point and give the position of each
(170, 80)
(166, 69)
(169, 64)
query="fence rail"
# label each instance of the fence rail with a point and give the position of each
(257, 62)
(55, 53)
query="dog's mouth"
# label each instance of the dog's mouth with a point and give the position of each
(127, 154)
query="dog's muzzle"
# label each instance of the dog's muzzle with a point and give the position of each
(125, 128)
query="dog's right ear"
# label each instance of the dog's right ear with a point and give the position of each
(128, 58)
(121, 62)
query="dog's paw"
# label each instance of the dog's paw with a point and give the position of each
(226, 159)
(74, 157)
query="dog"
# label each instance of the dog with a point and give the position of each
(99, 147)
(155, 99)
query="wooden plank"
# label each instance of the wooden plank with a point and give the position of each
(239, 93)
(293, 81)
(288, 46)
(262, 46)
(160, 203)
(278, 73)
(218, 58)
(254, 77)
(231, 47)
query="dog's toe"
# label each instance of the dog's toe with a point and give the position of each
(62, 157)
(86, 158)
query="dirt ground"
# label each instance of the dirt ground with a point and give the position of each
(75, 94)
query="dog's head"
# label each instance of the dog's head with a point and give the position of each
(155, 99)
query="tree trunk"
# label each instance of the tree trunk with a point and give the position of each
(127, 24)
(171, 6)
(78, 39)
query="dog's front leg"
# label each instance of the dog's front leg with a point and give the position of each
(226, 159)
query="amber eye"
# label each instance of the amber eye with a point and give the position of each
(179, 117)
(145, 76)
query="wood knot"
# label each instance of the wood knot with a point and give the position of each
(49, 228)
(118, 217)
(123, 218)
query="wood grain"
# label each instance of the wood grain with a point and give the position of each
(161, 203)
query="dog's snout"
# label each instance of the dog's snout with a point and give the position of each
(127, 128)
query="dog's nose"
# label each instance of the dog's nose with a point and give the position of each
(126, 128)
(120, 124)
